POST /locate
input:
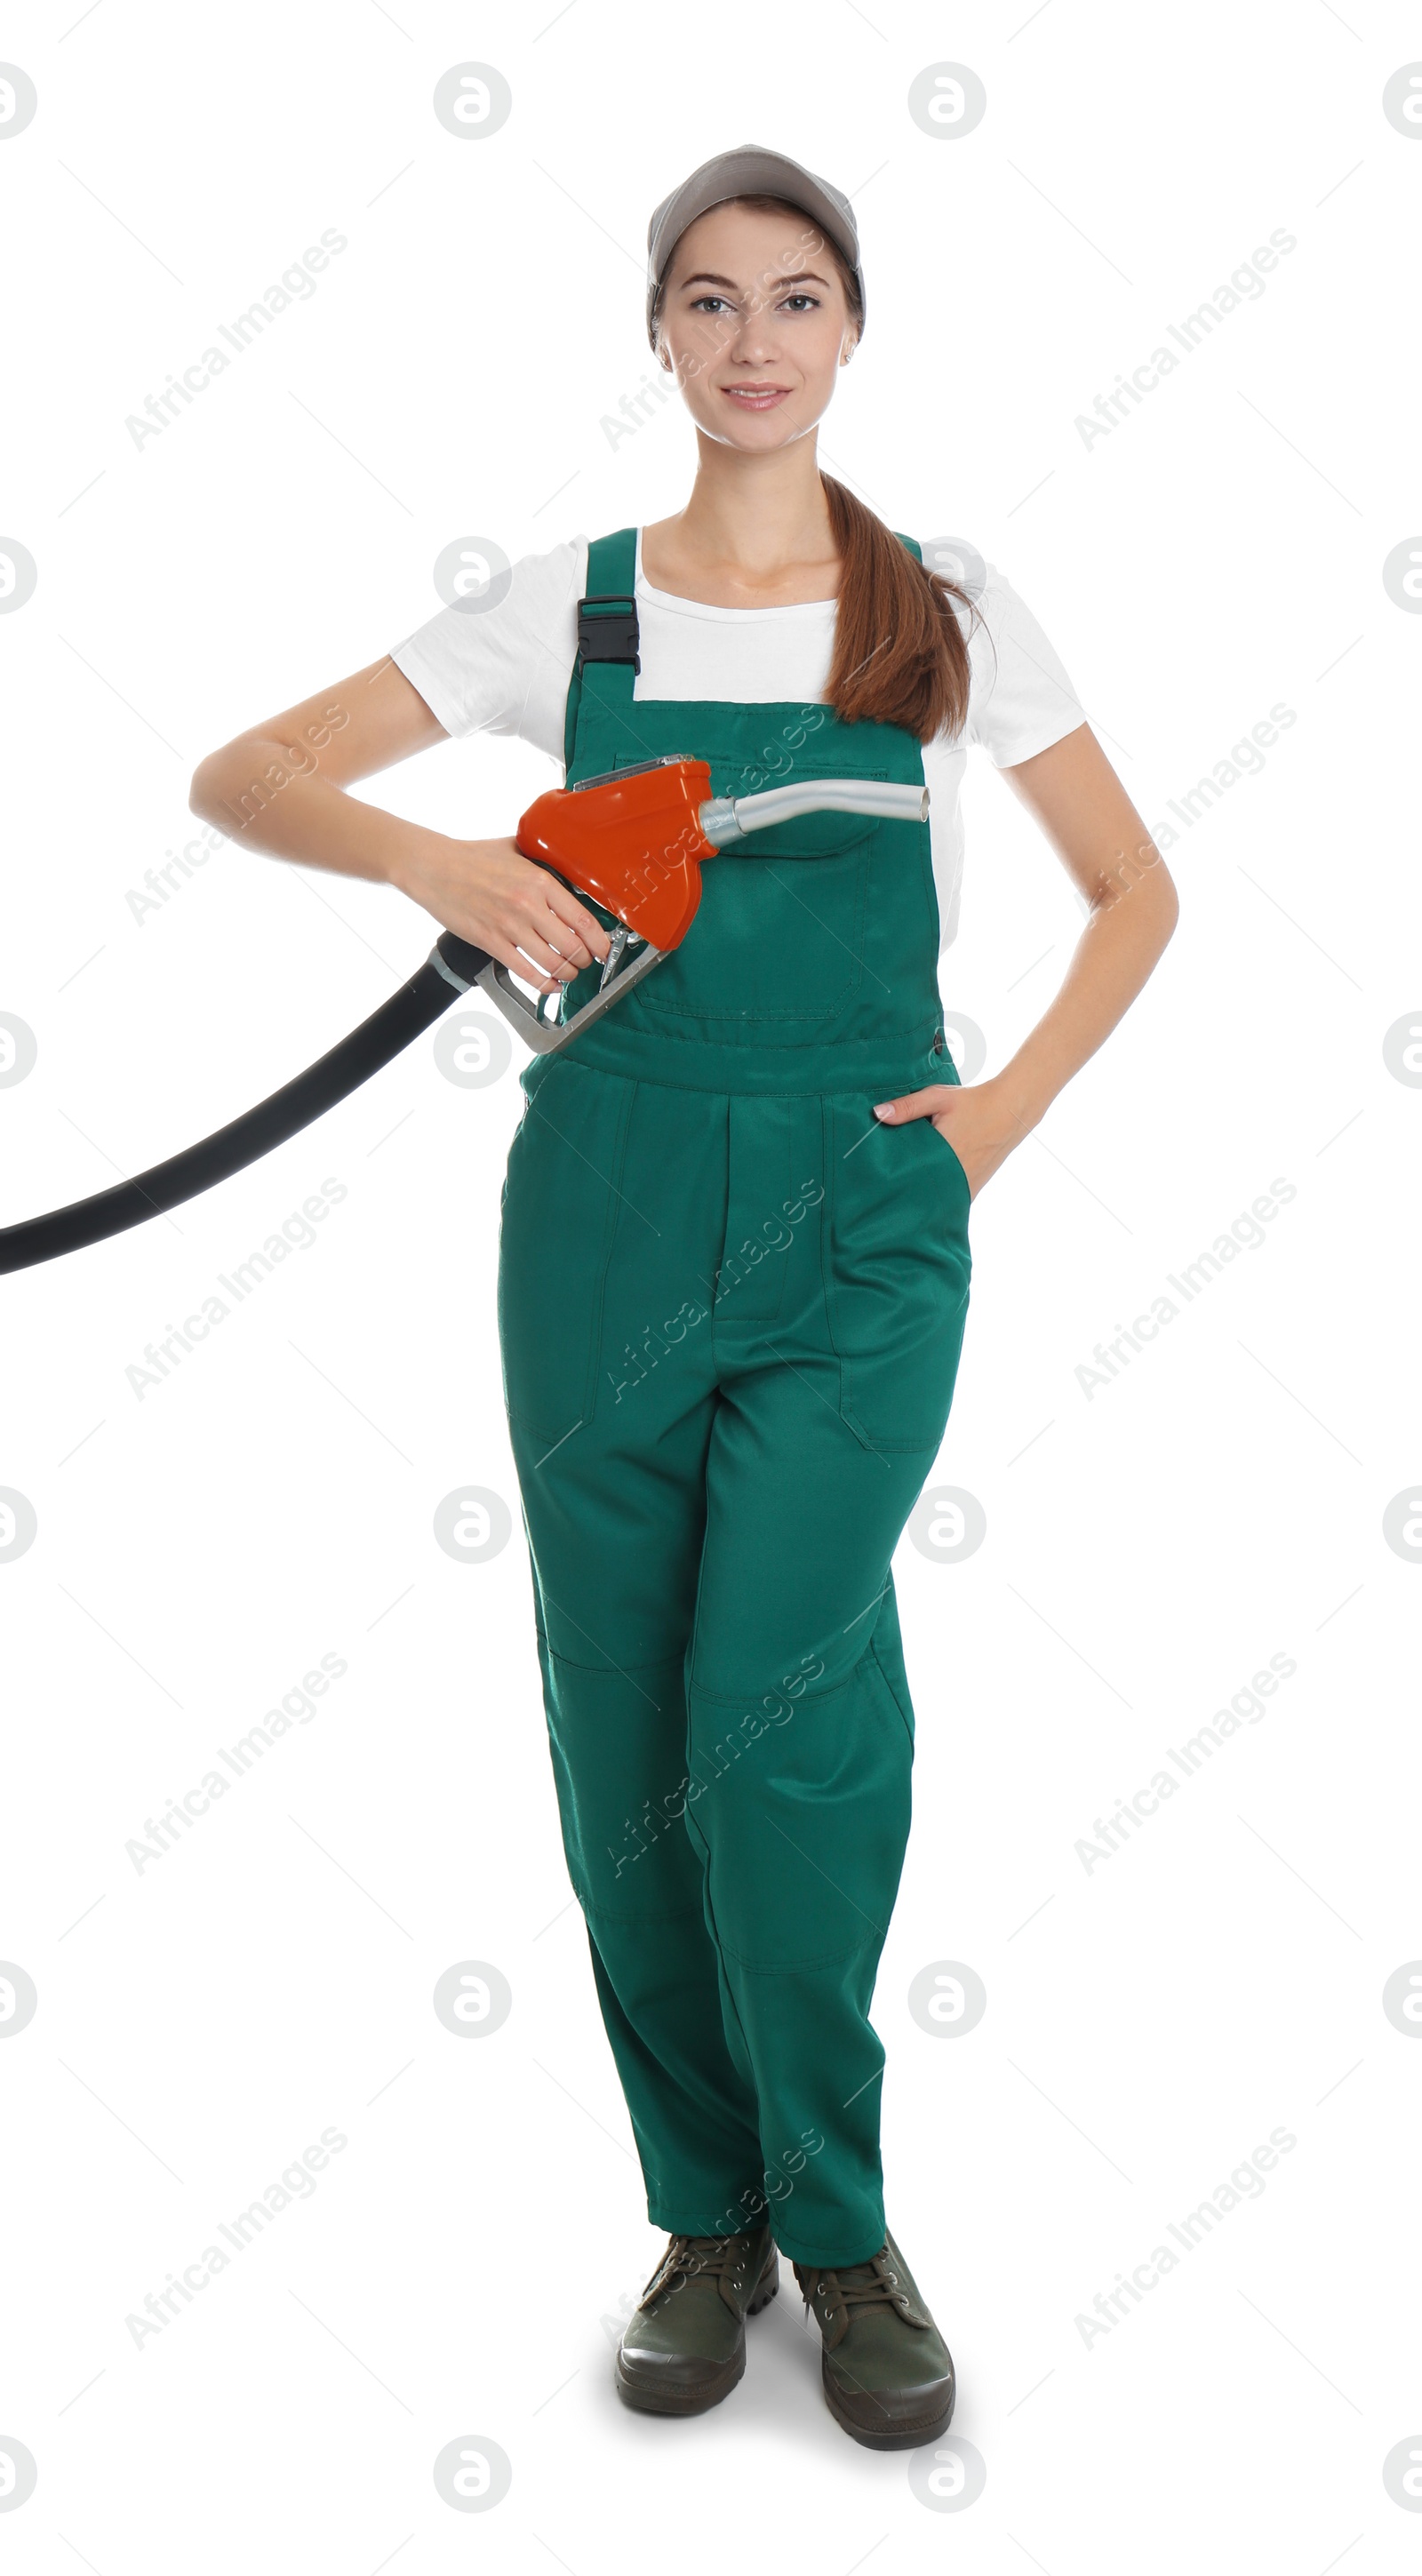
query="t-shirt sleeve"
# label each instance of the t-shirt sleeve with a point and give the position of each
(1022, 698)
(503, 666)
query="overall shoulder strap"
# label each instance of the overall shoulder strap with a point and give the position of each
(607, 628)
(915, 549)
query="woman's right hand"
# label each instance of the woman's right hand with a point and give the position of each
(488, 893)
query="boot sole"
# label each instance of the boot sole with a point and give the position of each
(696, 2401)
(902, 2438)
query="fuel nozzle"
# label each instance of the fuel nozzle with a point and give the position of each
(634, 839)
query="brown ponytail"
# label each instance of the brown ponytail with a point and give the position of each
(900, 653)
(900, 650)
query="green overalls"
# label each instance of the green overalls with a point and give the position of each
(731, 1304)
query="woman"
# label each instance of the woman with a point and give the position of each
(728, 1384)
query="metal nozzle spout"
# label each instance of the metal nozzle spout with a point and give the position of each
(724, 819)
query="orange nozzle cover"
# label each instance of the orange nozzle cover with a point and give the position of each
(633, 844)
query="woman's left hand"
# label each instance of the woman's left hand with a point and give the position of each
(976, 1119)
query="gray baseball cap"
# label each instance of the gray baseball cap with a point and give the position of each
(748, 171)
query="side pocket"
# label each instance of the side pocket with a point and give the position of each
(559, 1210)
(952, 1153)
(902, 1704)
(897, 1274)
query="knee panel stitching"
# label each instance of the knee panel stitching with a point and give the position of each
(797, 1967)
(659, 1663)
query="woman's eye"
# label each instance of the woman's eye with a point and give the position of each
(800, 297)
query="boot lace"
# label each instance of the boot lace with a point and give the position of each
(693, 2258)
(877, 2286)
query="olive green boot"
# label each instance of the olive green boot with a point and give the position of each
(887, 2372)
(684, 2347)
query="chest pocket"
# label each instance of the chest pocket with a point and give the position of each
(779, 937)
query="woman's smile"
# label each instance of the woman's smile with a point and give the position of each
(756, 397)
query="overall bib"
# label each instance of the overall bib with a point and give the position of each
(731, 1305)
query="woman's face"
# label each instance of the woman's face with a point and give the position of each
(754, 325)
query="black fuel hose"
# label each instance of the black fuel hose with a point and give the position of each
(396, 1025)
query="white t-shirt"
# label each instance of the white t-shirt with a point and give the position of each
(506, 669)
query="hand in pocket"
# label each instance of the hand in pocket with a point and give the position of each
(973, 1120)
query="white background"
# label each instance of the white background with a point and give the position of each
(461, 2266)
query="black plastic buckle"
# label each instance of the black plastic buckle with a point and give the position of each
(613, 636)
